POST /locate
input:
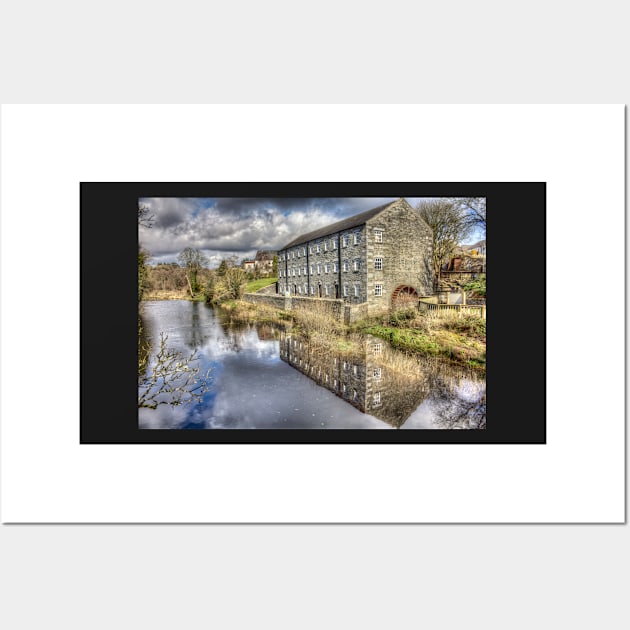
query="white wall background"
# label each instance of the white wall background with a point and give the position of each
(305, 576)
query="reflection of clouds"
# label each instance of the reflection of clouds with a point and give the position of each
(164, 417)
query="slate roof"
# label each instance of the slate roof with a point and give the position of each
(340, 226)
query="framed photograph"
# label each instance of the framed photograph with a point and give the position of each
(312, 313)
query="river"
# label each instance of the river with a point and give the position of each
(264, 378)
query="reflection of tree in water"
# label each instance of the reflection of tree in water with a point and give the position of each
(456, 409)
(144, 347)
(197, 334)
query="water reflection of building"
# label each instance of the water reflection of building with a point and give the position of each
(373, 378)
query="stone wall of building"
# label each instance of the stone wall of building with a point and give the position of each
(404, 254)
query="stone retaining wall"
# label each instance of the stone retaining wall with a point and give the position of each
(348, 313)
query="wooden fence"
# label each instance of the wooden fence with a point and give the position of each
(460, 276)
(461, 309)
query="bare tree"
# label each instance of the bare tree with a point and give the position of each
(449, 224)
(172, 381)
(145, 218)
(193, 260)
(474, 209)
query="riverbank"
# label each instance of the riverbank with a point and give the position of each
(459, 340)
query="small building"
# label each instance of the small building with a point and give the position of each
(375, 258)
(249, 265)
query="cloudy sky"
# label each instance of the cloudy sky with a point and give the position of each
(222, 227)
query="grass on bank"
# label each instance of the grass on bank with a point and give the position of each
(255, 285)
(461, 339)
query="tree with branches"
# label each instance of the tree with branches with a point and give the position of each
(193, 260)
(474, 208)
(173, 380)
(145, 217)
(449, 224)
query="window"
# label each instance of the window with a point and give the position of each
(305, 293)
(356, 264)
(300, 290)
(378, 289)
(376, 398)
(304, 250)
(378, 373)
(355, 370)
(378, 236)
(317, 248)
(345, 290)
(319, 268)
(326, 291)
(343, 387)
(377, 348)
(356, 238)
(293, 254)
(298, 253)
(312, 267)
(311, 249)
(335, 383)
(345, 241)
(299, 272)
(357, 290)
(335, 267)
(346, 265)
(304, 272)
(333, 243)
(378, 264)
(345, 365)
(312, 290)
(326, 268)
(325, 246)
(282, 256)
(355, 394)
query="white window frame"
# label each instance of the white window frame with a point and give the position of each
(345, 240)
(378, 290)
(319, 268)
(377, 348)
(335, 267)
(326, 267)
(345, 290)
(378, 263)
(326, 290)
(317, 248)
(346, 265)
(325, 246)
(356, 264)
(334, 243)
(378, 236)
(357, 290)
(376, 398)
(377, 374)
(356, 238)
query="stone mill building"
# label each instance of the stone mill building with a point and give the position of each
(372, 258)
